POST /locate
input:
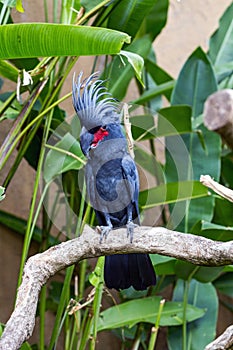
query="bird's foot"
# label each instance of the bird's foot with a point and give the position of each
(104, 232)
(130, 230)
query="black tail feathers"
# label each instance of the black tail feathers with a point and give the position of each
(125, 270)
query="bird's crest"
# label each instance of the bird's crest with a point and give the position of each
(91, 107)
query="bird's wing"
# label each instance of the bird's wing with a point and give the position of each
(90, 184)
(130, 174)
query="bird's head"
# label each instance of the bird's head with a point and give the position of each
(110, 135)
(98, 113)
(94, 106)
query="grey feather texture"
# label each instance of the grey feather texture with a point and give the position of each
(92, 108)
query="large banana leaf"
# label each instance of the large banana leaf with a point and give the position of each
(146, 310)
(122, 72)
(220, 49)
(160, 77)
(221, 42)
(48, 39)
(156, 18)
(195, 83)
(127, 15)
(202, 331)
(172, 192)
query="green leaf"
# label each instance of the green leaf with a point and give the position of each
(19, 225)
(173, 120)
(228, 268)
(120, 74)
(96, 277)
(201, 296)
(223, 212)
(10, 3)
(54, 294)
(227, 169)
(156, 18)
(2, 193)
(163, 265)
(145, 310)
(213, 231)
(159, 76)
(26, 346)
(148, 162)
(136, 62)
(171, 193)
(181, 166)
(7, 70)
(207, 274)
(202, 274)
(224, 284)
(19, 6)
(221, 42)
(143, 126)
(61, 307)
(195, 83)
(48, 39)
(162, 89)
(89, 5)
(128, 15)
(65, 155)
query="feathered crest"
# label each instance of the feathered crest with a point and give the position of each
(92, 109)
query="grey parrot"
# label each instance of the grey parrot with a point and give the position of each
(111, 179)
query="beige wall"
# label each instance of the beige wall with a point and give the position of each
(190, 24)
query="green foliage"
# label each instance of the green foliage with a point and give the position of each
(172, 192)
(48, 139)
(40, 39)
(135, 311)
(203, 330)
(193, 91)
(64, 156)
(129, 14)
(2, 193)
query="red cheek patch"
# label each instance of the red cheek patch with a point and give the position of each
(98, 136)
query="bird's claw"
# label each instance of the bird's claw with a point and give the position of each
(130, 230)
(104, 232)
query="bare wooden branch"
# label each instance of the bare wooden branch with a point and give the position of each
(223, 191)
(218, 114)
(223, 342)
(128, 131)
(40, 267)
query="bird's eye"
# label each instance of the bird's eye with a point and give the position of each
(104, 127)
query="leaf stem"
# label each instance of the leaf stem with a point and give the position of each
(68, 153)
(92, 12)
(154, 330)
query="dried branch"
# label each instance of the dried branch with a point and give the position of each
(218, 114)
(223, 191)
(128, 131)
(223, 342)
(40, 267)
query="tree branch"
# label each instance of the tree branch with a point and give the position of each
(218, 114)
(40, 267)
(223, 191)
(223, 342)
